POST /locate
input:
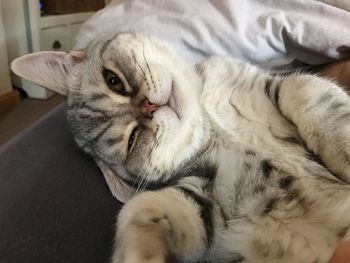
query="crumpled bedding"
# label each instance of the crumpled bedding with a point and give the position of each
(274, 34)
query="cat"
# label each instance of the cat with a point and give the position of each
(217, 162)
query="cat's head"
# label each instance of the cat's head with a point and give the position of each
(133, 105)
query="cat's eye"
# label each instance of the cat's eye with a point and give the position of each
(132, 139)
(113, 82)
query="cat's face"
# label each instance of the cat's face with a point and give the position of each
(134, 106)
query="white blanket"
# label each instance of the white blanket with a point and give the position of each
(271, 33)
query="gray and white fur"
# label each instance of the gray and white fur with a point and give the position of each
(221, 162)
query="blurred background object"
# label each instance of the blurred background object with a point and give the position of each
(62, 7)
(33, 25)
(28, 26)
(8, 96)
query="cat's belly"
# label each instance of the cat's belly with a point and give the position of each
(276, 204)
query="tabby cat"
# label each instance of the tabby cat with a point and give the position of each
(221, 162)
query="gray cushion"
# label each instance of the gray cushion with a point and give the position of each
(54, 203)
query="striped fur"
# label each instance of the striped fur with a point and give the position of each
(237, 165)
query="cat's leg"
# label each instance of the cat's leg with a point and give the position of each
(321, 112)
(161, 226)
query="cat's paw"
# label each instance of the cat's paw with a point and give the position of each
(159, 226)
(143, 233)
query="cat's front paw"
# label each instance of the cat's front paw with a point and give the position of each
(160, 226)
(143, 233)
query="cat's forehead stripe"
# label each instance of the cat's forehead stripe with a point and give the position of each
(98, 96)
(107, 43)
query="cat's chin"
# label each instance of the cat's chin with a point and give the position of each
(166, 114)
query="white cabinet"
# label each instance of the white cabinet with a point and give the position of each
(55, 38)
(26, 31)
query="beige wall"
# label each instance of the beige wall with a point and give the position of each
(14, 26)
(5, 84)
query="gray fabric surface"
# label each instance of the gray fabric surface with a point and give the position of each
(271, 33)
(54, 204)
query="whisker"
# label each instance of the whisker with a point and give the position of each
(144, 182)
(140, 75)
(138, 64)
(148, 67)
(142, 185)
(143, 173)
(144, 57)
(153, 148)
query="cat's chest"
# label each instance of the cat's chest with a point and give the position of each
(247, 119)
(259, 147)
(257, 153)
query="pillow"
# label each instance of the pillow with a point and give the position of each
(273, 34)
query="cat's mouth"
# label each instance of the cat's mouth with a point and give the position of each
(173, 100)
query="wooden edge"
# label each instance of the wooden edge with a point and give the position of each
(339, 71)
(8, 101)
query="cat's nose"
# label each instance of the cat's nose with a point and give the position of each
(150, 107)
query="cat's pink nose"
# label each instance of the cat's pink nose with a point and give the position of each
(150, 107)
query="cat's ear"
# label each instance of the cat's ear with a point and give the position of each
(120, 190)
(48, 68)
